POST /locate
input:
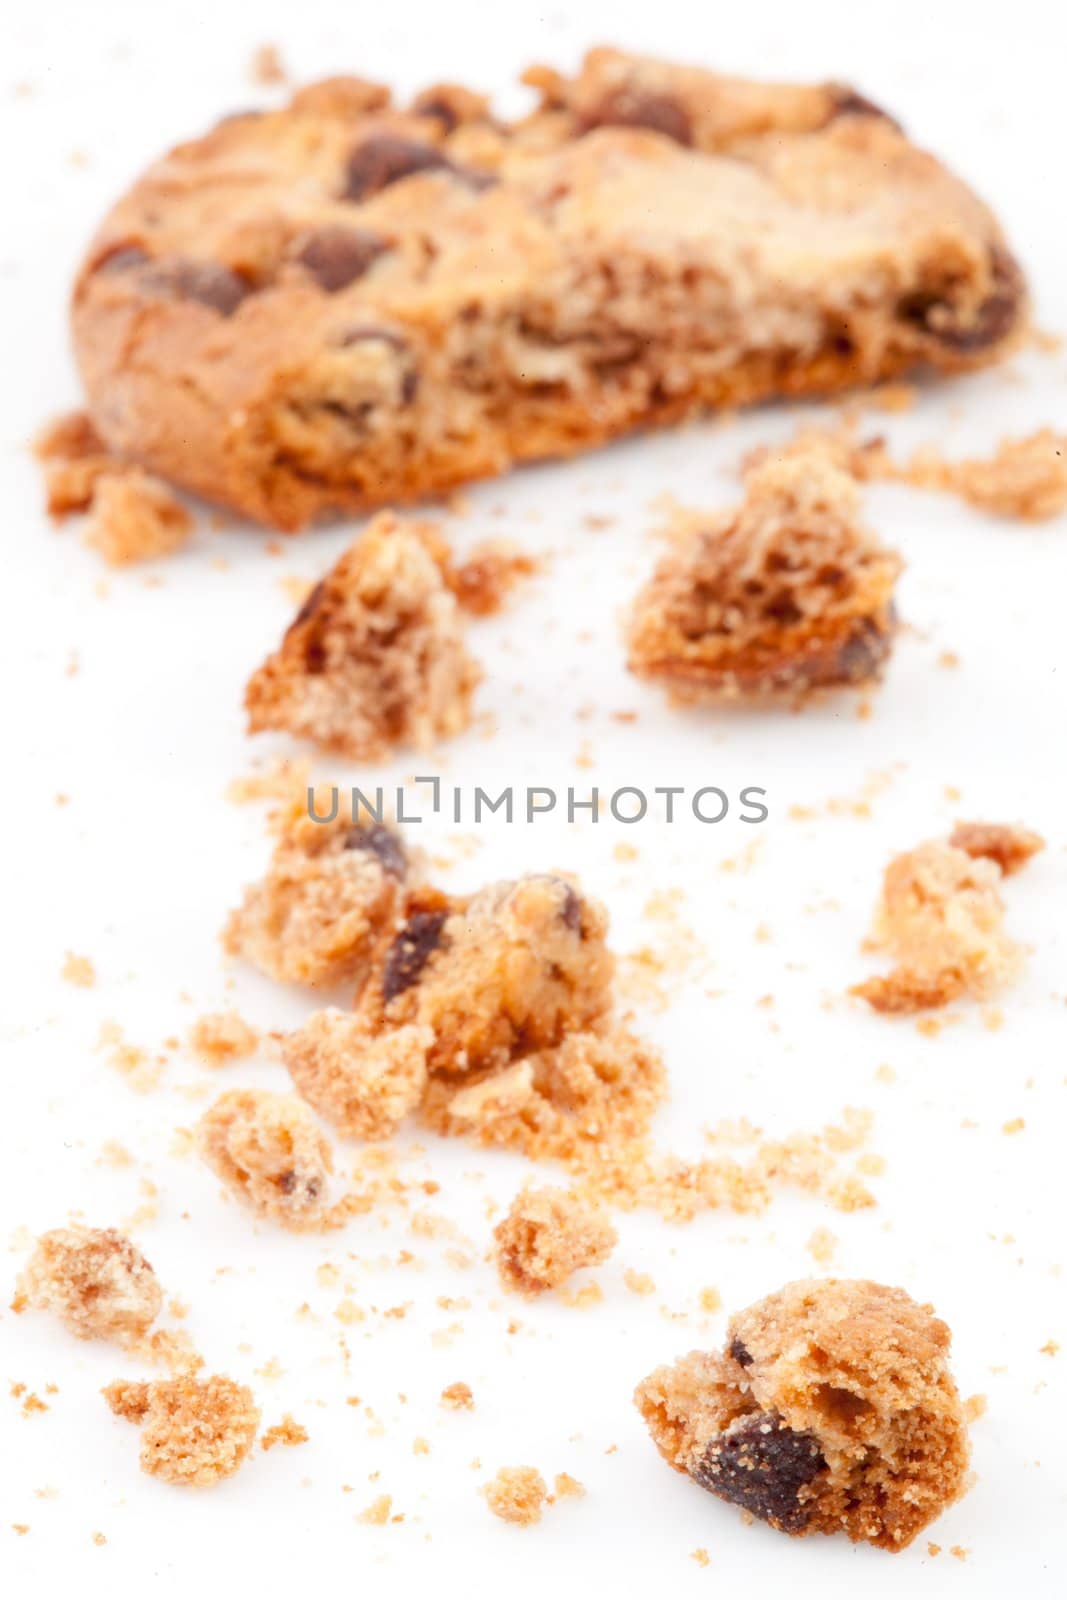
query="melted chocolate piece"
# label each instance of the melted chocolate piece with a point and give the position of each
(633, 108)
(410, 951)
(936, 314)
(743, 1357)
(762, 1465)
(377, 840)
(209, 283)
(385, 158)
(337, 256)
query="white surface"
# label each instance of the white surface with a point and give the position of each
(139, 868)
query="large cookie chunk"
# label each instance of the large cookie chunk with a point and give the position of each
(831, 1409)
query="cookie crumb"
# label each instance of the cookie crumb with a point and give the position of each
(220, 1037)
(786, 595)
(378, 1512)
(375, 658)
(287, 1431)
(135, 517)
(267, 67)
(517, 1494)
(640, 1283)
(94, 1280)
(267, 1150)
(568, 1488)
(547, 1235)
(941, 918)
(457, 1397)
(193, 1432)
(365, 1084)
(78, 970)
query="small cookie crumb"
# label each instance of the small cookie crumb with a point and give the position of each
(267, 1150)
(547, 1235)
(193, 1432)
(94, 1280)
(135, 517)
(287, 1431)
(220, 1037)
(517, 1494)
(457, 1397)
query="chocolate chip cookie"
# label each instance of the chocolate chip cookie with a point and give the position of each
(348, 302)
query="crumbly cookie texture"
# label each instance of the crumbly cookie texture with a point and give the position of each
(518, 1495)
(347, 303)
(267, 1150)
(831, 1409)
(941, 918)
(365, 1085)
(509, 972)
(333, 892)
(1007, 843)
(94, 1280)
(547, 1235)
(594, 1093)
(491, 1017)
(375, 658)
(135, 517)
(193, 1432)
(787, 594)
(1023, 478)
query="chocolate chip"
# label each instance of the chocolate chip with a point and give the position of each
(385, 158)
(743, 1357)
(410, 951)
(336, 256)
(846, 102)
(209, 283)
(934, 312)
(122, 258)
(865, 651)
(762, 1465)
(291, 1183)
(378, 840)
(571, 914)
(634, 108)
(310, 606)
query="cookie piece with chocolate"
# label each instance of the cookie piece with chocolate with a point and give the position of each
(331, 895)
(512, 971)
(831, 1409)
(788, 594)
(375, 658)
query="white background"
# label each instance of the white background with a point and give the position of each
(138, 870)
